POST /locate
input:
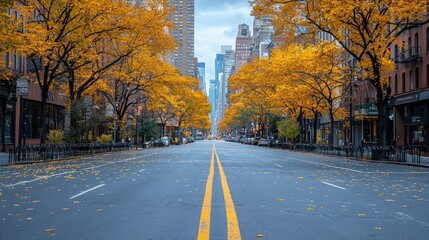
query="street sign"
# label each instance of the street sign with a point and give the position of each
(22, 87)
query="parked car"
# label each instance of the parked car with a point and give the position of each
(263, 142)
(165, 141)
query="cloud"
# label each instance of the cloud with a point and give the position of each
(216, 24)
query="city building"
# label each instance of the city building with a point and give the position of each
(183, 17)
(202, 75)
(243, 47)
(212, 99)
(20, 101)
(263, 34)
(410, 88)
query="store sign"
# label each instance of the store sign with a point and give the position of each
(22, 87)
(366, 109)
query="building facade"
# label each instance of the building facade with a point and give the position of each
(183, 17)
(263, 34)
(410, 87)
(243, 47)
(202, 75)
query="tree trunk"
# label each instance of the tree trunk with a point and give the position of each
(331, 134)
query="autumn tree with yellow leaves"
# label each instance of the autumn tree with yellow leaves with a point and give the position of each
(74, 42)
(365, 29)
(192, 108)
(310, 77)
(252, 88)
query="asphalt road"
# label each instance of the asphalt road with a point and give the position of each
(217, 189)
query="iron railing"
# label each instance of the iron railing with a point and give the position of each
(378, 153)
(44, 152)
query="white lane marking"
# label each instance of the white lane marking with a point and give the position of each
(86, 191)
(89, 168)
(39, 178)
(142, 170)
(406, 217)
(84, 169)
(332, 185)
(331, 166)
(277, 165)
(353, 170)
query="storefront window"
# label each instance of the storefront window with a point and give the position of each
(418, 135)
(54, 118)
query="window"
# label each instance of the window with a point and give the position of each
(396, 53)
(396, 83)
(427, 39)
(15, 61)
(410, 47)
(403, 82)
(416, 44)
(7, 59)
(411, 80)
(417, 77)
(427, 75)
(54, 120)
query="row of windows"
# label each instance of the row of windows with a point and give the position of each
(413, 76)
(14, 61)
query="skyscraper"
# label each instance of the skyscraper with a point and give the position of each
(243, 47)
(202, 75)
(183, 33)
(212, 99)
(263, 33)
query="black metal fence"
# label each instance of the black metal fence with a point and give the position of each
(379, 153)
(43, 152)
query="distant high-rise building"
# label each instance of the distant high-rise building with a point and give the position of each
(218, 70)
(212, 99)
(243, 47)
(183, 32)
(202, 75)
(263, 33)
(224, 67)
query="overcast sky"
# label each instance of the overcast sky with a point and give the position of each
(216, 24)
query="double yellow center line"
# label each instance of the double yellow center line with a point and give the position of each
(231, 216)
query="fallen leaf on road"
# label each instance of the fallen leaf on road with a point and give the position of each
(362, 214)
(66, 209)
(377, 228)
(281, 199)
(310, 209)
(29, 219)
(49, 229)
(302, 178)
(260, 235)
(389, 200)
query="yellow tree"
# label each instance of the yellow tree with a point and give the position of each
(319, 77)
(365, 29)
(118, 50)
(132, 80)
(192, 108)
(10, 29)
(252, 87)
(52, 28)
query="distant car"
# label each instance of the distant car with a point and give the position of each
(165, 141)
(263, 142)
